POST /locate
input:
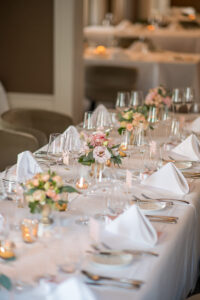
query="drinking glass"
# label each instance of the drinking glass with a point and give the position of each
(72, 146)
(188, 97)
(136, 99)
(117, 200)
(175, 134)
(87, 121)
(153, 114)
(177, 99)
(122, 101)
(55, 147)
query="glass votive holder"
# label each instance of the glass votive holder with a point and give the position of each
(81, 183)
(7, 249)
(29, 229)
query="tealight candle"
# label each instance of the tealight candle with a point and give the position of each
(101, 50)
(151, 27)
(82, 184)
(7, 249)
(29, 230)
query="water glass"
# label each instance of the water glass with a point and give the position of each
(153, 114)
(88, 121)
(188, 97)
(122, 101)
(55, 147)
(136, 99)
(177, 99)
(117, 199)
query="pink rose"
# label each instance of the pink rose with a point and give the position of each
(52, 194)
(101, 154)
(167, 101)
(129, 127)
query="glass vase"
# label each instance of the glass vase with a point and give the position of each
(96, 171)
(46, 215)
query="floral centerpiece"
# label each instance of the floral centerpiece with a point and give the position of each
(133, 118)
(98, 148)
(158, 96)
(46, 191)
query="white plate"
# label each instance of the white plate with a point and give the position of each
(182, 165)
(117, 260)
(152, 206)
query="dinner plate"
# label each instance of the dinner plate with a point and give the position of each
(182, 165)
(113, 260)
(152, 206)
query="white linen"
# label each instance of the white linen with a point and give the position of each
(132, 228)
(3, 99)
(168, 178)
(101, 117)
(194, 125)
(27, 166)
(72, 289)
(190, 148)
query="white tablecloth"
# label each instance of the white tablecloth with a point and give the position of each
(169, 69)
(170, 276)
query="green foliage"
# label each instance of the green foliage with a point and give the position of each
(87, 160)
(5, 282)
(121, 130)
(68, 189)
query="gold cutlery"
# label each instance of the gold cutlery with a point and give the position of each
(123, 281)
(119, 252)
(162, 219)
(163, 199)
(118, 285)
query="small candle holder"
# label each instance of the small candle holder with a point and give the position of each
(7, 249)
(29, 229)
(82, 184)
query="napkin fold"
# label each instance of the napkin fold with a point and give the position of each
(101, 117)
(194, 125)
(131, 228)
(168, 178)
(134, 227)
(27, 166)
(190, 148)
(72, 139)
(72, 288)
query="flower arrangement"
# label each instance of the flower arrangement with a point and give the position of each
(157, 97)
(133, 118)
(46, 188)
(98, 148)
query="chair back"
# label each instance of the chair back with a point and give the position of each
(103, 82)
(12, 143)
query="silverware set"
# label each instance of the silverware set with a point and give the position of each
(112, 281)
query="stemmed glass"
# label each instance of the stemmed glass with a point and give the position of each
(122, 101)
(188, 97)
(177, 99)
(136, 99)
(88, 121)
(55, 147)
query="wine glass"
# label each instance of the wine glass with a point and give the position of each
(55, 147)
(136, 99)
(153, 114)
(177, 99)
(122, 101)
(88, 121)
(188, 97)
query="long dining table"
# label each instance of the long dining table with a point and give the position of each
(171, 275)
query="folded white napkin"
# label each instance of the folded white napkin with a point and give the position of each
(101, 117)
(71, 289)
(194, 125)
(131, 228)
(27, 166)
(3, 100)
(168, 178)
(190, 148)
(72, 139)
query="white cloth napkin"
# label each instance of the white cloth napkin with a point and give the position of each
(101, 116)
(194, 126)
(72, 139)
(131, 228)
(27, 166)
(190, 148)
(72, 289)
(3, 100)
(168, 178)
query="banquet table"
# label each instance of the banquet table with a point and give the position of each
(172, 275)
(172, 39)
(153, 68)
